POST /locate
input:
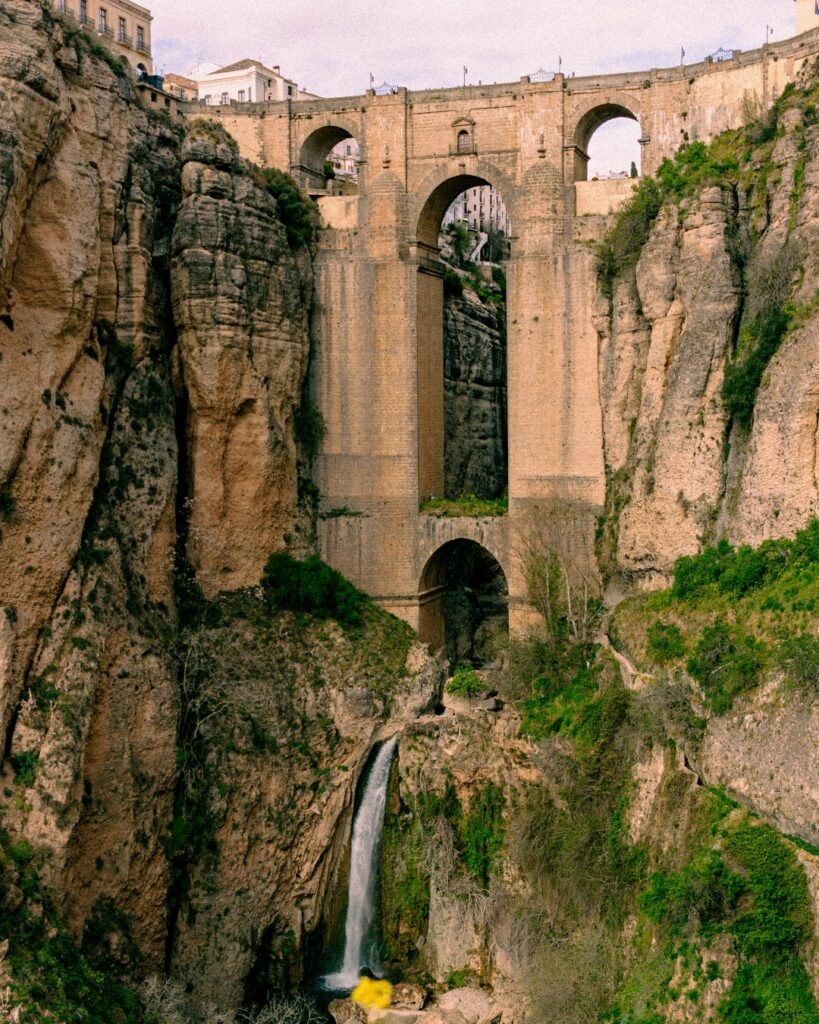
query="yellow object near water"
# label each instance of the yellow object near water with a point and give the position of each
(372, 994)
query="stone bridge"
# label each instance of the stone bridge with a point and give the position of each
(378, 361)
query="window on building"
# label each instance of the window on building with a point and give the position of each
(207, 100)
(103, 19)
(225, 99)
(83, 11)
(121, 36)
(290, 90)
(140, 37)
(463, 141)
(241, 95)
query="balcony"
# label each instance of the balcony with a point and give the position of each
(105, 32)
(84, 19)
(64, 8)
(143, 47)
(125, 40)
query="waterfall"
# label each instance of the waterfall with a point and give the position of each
(361, 895)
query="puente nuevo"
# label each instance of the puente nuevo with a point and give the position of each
(378, 371)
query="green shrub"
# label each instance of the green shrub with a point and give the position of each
(481, 832)
(725, 662)
(311, 586)
(798, 657)
(309, 428)
(296, 212)
(628, 234)
(665, 642)
(453, 285)
(459, 978)
(738, 571)
(692, 167)
(25, 767)
(697, 898)
(759, 342)
(465, 682)
(21, 852)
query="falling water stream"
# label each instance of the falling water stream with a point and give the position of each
(367, 828)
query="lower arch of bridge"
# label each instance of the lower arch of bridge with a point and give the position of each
(432, 439)
(588, 125)
(463, 603)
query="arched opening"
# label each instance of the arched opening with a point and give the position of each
(464, 145)
(463, 240)
(607, 144)
(464, 603)
(329, 161)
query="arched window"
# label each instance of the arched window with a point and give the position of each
(464, 144)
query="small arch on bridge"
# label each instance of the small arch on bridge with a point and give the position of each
(463, 603)
(588, 125)
(316, 151)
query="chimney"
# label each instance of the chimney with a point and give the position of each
(277, 69)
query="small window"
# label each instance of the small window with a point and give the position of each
(153, 97)
(241, 95)
(122, 30)
(83, 10)
(463, 141)
(290, 90)
(249, 95)
(140, 37)
(103, 19)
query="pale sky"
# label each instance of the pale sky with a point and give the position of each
(332, 46)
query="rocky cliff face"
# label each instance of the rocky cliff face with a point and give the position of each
(153, 347)
(474, 397)
(684, 465)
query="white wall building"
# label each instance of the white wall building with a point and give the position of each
(480, 208)
(807, 15)
(345, 157)
(246, 81)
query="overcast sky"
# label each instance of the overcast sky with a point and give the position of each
(332, 46)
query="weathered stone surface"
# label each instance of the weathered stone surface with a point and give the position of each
(407, 996)
(241, 305)
(472, 1003)
(345, 1011)
(88, 470)
(474, 398)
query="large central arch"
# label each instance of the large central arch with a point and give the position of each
(430, 315)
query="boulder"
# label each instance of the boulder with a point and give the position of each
(345, 1011)
(408, 996)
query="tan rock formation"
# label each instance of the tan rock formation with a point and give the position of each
(241, 306)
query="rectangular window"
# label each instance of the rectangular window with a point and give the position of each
(83, 11)
(290, 90)
(103, 19)
(249, 95)
(122, 35)
(225, 99)
(241, 95)
(140, 37)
